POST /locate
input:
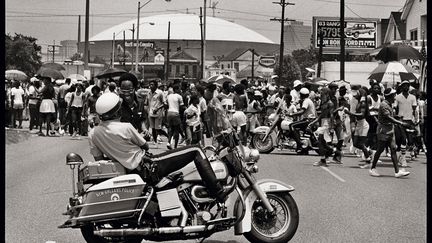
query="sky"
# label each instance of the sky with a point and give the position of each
(56, 20)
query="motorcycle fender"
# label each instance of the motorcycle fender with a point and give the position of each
(261, 130)
(267, 185)
(264, 130)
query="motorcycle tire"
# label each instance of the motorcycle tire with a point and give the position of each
(258, 144)
(288, 229)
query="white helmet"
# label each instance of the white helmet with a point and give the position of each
(107, 105)
(304, 91)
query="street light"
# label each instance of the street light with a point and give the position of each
(137, 39)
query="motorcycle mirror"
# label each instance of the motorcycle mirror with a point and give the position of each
(74, 159)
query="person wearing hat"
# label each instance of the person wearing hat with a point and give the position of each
(307, 113)
(385, 134)
(295, 93)
(34, 102)
(120, 141)
(406, 105)
(252, 110)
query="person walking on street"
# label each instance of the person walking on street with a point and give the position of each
(406, 104)
(338, 125)
(155, 103)
(34, 103)
(239, 119)
(17, 104)
(361, 125)
(385, 134)
(174, 103)
(76, 109)
(47, 108)
(62, 104)
(326, 124)
(192, 114)
(374, 101)
(132, 107)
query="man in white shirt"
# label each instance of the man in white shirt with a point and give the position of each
(295, 93)
(17, 99)
(155, 103)
(174, 102)
(406, 105)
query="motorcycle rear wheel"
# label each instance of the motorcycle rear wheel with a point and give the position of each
(263, 223)
(265, 147)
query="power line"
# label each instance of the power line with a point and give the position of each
(363, 4)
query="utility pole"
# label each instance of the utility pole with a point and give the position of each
(133, 35)
(79, 33)
(124, 49)
(137, 39)
(113, 51)
(167, 53)
(253, 62)
(213, 6)
(342, 40)
(204, 39)
(202, 43)
(86, 37)
(320, 51)
(281, 50)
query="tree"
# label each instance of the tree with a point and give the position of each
(290, 70)
(22, 53)
(305, 58)
(77, 57)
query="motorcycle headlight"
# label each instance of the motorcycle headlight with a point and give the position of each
(254, 155)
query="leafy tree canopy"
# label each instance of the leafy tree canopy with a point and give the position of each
(22, 53)
(290, 71)
(306, 58)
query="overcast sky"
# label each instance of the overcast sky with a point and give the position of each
(50, 20)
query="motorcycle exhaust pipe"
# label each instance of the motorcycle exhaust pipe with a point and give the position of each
(151, 231)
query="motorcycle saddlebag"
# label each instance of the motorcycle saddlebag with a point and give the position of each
(95, 172)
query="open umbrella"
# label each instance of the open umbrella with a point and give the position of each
(392, 72)
(50, 73)
(53, 65)
(396, 52)
(77, 76)
(15, 75)
(110, 73)
(220, 79)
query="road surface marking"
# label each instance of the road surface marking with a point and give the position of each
(332, 173)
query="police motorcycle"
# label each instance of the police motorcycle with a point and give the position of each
(109, 205)
(278, 134)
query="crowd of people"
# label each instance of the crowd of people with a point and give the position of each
(370, 120)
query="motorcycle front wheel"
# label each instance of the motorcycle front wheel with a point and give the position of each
(274, 228)
(264, 147)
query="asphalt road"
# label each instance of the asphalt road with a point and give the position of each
(341, 203)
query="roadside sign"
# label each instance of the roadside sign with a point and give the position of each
(267, 61)
(159, 59)
(359, 33)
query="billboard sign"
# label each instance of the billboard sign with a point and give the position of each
(359, 33)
